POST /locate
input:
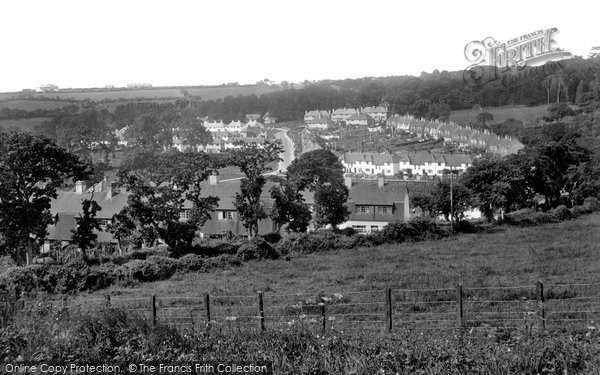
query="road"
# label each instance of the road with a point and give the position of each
(288, 149)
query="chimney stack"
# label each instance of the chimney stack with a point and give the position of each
(213, 179)
(111, 189)
(80, 187)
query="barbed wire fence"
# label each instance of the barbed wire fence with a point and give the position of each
(477, 310)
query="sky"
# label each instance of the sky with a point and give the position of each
(179, 42)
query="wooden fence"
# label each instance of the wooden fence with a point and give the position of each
(535, 308)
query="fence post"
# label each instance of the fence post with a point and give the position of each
(207, 309)
(154, 310)
(261, 312)
(388, 308)
(324, 316)
(459, 305)
(541, 310)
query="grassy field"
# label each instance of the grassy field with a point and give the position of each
(521, 113)
(26, 124)
(556, 253)
(32, 104)
(206, 93)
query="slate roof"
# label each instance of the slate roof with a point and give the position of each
(421, 157)
(70, 202)
(373, 157)
(66, 223)
(369, 193)
(344, 111)
(373, 109)
(455, 160)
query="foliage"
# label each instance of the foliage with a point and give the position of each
(257, 249)
(84, 236)
(416, 229)
(31, 169)
(159, 192)
(252, 160)
(462, 200)
(484, 117)
(289, 208)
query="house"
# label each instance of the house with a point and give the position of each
(317, 114)
(342, 114)
(399, 122)
(322, 123)
(268, 119)
(214, 126)
(255, 117)
(359, 119)
(371, 163)
(224, 219)
(234, 127)
(377, 113)
(375, 203)
(67, 206)
(422, 163)
(458, 162)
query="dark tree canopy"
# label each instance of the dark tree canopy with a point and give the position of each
(31, 170)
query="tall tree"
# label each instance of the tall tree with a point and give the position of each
(84, 236)
(159, 192)
(253, 160)
(321, 172)
(289, 207)
(31, 170)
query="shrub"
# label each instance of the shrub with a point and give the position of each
(348, 231)
(152, 269)
(191, 263)
(308, 243)
(20, 280)
(561, 213)
(221, 261)
(417, 229)
(592, 202)
(257, 249)
(272, 238)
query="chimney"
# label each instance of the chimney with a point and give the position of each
(80, 187)
(348, 181)
(380, 181)
(212, 179)
(111, 189)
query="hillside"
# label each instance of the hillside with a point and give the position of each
(26, 124)
(501, 114)
(556, 253)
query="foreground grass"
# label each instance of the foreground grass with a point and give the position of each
(48, 335)
(559, 253)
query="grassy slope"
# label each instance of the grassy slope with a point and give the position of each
(522, 113)
(556, 253)
(206, 93)
(32, 104)
(26, 124)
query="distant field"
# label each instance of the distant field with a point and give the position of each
(32, 104)
(27, 124)
(521, 113)
(206, 93)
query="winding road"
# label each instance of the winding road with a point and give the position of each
(288, 150)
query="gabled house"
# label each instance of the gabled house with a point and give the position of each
(323, 123)
(316, 114)
(68, 206)
(375, 203)
(377, 113)
(342, 114)
(371, 163)
(399, 122)
(359, 119)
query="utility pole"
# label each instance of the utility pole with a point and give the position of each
(451, 204)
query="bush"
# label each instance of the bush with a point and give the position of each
(593, 203)
(561, 213)
(308, 243)
(272, 238)
(20, 280)
(191, 263)
(152, 269)
(417, 229)
(348, 231)
(257, 249)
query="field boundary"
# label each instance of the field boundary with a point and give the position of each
(534, 308)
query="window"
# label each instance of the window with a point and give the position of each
(185, 214)
(103, 222)
(227, 215)
(363, 209)
(360, 228)
(384, 210)
(374, 228)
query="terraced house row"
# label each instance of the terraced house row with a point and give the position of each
(464, 136)
(363, 116)
(421, 163)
